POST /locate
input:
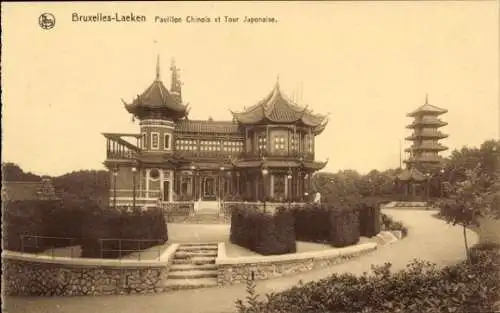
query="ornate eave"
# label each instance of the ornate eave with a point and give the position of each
(412, 174)
(427, 109)
(158, 99)
(277, 108)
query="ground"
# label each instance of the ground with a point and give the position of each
(429, 239)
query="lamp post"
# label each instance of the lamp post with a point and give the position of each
(194, 173)
(238, 184)
(264, 181)
(289, 187)
(221, 182)
(441, 185)
(134, 171)
(428, 186)
(115, 173)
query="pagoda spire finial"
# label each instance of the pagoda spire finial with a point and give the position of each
(278, 81)
(158, 67)
(426, 98)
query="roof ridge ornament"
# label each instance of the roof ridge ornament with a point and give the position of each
(158, 67)
(426, 99)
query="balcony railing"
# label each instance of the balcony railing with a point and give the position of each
(118, 148)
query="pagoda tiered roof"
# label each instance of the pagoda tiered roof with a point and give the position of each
(428, 120)
(412, 174)
(426, 134)
(431, 146)
(158, 99)
(277, 108)
(427, 109)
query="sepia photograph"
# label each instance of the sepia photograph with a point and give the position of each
(251, 157)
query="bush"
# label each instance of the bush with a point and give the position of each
(267, 233)
(131, 227)
(369, 219)
(388, 223)
(421, 287)
(337, 226)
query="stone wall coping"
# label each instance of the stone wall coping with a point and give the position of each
(91, 262)
(222, 258)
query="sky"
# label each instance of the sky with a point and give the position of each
(367, 64)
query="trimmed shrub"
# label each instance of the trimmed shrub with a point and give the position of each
(110, 233)
(337, 226)
(267, 233)
(369, 220)
(345, 227)
(421, 287)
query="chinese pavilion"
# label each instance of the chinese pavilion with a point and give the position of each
(424, 162)
(265, 153)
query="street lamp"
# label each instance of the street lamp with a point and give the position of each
(134, 170)
(289, 191)
(428, 185)
(194, 174)
(221, 182)
(115, 173)
(264, 179)
(441, 189)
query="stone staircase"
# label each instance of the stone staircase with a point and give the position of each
(193, 266)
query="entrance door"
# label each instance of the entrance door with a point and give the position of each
(209, 189)
(166, 190)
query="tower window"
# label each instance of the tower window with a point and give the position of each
(167, 142)
(155, 138)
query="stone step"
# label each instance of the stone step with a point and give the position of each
(194, 253)
(195, 260)
(197, 248)
(192, 274)
(175, 284)
(192, 267)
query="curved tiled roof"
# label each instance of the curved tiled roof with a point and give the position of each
(157, 96)
(219, 127)
(411, 175)
(277, 108)
(427, 109)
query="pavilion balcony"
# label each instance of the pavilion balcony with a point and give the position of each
(258, 155)
(424, 159)
(117, 148)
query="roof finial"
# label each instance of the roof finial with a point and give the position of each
(426, 98)
(158, 67)
(278, 81)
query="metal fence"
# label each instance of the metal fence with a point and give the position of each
(123, 247)
(47, 245)
(69, 247)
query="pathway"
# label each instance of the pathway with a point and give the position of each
(429, 239)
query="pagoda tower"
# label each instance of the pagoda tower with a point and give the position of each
(425, 147)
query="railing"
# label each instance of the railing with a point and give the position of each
(117, 150)
(122, 252)
(226, 206)
(34, 243)
(181, 208)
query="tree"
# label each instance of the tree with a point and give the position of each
(469, 199)
(13, 172)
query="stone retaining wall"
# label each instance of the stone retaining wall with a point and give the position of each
(35, 275)
(237, 270)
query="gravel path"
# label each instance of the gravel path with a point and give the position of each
(429, 239)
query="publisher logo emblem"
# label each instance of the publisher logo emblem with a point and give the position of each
(47, 21)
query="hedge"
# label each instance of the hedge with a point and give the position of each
(267, 233)
(369, 220)
(337, 226)
(130, 226)
(62, 219)
(421, 287)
